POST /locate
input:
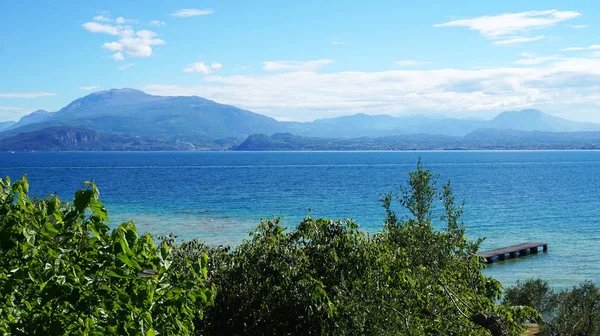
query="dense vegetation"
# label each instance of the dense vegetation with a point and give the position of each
(63, 271)
(493, 139)
(573, 312)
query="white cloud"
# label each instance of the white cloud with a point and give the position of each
(518, 40)
(533, 60)
(118, 56)
(295, 65)
(138, 44)
(408, 63)
(102, 18)
(242, 68)
(200, 67)
(95, 27)
(131, 43)
(26, 94)
(564, 84)
(577, 26)
(337, 41)
(126, 66)
(11, 108)
(192, 12)
(592, 47)
(88, 87)
(511, 23)
(157, 23)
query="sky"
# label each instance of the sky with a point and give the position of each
(306, 60)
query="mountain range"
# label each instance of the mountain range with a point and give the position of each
(129, 119)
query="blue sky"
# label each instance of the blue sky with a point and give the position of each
(310, 59)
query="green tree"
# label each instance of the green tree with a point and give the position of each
(569, 312)
(328, 277)
(64, 272)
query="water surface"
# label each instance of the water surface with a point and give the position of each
(511, 196)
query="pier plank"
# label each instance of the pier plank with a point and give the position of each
(514, 251)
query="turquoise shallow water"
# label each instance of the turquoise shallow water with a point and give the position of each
(511, 196)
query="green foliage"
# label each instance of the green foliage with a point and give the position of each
(328, 277)
(64, 272)
(574, 311)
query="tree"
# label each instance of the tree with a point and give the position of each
(569, 312)
(328, 277)
(63, 271)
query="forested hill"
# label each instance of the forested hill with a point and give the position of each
(479, 139)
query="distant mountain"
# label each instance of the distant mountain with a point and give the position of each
(64, 138)
(32, 118)
(361, 125)
(385, 125)
(453, 127)
(6, 124)
(133, 112)
(535, 120)
(207, 124)
(379, 122)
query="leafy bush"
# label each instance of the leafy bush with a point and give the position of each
(328, 277)
(569, 312)
(62, 271)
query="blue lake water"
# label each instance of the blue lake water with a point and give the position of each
(511, 196)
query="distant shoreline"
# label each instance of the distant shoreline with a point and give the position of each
(313, 151)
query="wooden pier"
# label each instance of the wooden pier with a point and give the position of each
(514, 251)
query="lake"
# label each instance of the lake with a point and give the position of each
(511, 196)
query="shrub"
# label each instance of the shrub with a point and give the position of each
(62, 271)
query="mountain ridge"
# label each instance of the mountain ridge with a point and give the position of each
(131, 112)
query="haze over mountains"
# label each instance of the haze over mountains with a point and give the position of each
(147, 122)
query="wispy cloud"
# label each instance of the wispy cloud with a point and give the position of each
(95, 27)
(200, 67)
(592, 47)
(131, 43)
(338, 41)
(26, 94)
(518, 40)
(118, 56)
(565, 84)
(512, 23)
(192, 12)
(533, 59)
(126, 66)
(292, 66)
(577, 26)
(157, 23)
(11, 108)
(242, 68)
(409, 63)
(102, 18)
(88, 87)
